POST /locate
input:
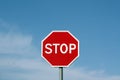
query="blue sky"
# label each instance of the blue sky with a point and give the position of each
(24, 23)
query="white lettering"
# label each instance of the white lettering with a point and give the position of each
(61, 48)
(56, 45)
(72, 47)
(49, 50)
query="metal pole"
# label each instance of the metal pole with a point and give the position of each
(61, 73)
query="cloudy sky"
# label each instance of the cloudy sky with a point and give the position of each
(24, 23)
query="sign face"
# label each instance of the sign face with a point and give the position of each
(60, 48)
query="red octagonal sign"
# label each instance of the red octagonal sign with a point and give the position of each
(60, 48)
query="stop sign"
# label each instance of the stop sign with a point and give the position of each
(60, 48)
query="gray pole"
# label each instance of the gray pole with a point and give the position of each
(61, 73)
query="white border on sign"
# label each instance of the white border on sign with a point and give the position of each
(60, 31)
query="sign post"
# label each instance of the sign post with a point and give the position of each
(61, 73)
(60, 49)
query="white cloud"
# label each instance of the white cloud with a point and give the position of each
(12, 41)
(15, 43)
(38, 70)
(30, 69)
(12, 68)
